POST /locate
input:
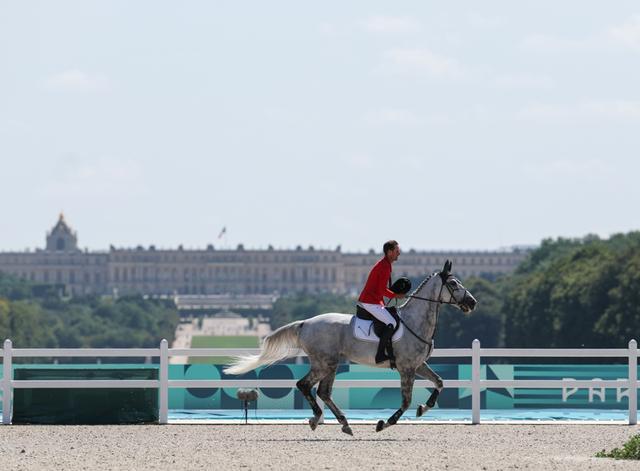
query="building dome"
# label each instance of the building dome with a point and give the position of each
(62, 238)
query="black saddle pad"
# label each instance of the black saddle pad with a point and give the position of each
(378, 326)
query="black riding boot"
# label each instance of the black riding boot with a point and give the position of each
(385, 340)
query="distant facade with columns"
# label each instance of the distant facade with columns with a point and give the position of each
(241, 271)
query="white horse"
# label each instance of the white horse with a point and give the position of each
(328, 338)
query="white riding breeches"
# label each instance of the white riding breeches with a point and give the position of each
(379, 312)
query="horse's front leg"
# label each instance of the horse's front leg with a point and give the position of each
(426, 372)
(406, 383)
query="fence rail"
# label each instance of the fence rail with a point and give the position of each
(8, 353)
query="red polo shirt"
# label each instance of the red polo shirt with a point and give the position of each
(376, 286)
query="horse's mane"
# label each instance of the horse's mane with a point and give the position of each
(422, 283)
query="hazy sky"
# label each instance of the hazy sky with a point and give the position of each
(445, 125)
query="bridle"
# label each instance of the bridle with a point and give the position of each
(453, 300)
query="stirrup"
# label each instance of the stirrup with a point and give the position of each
(384, 357)
(384, 347)
(381, 358)
(391, 356)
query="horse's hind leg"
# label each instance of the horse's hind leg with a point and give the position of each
(324, 391)
(427, 373)
(406, 382)
(305, 385)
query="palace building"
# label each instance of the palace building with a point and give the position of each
(211, 271)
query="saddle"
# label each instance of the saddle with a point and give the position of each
(380, 329)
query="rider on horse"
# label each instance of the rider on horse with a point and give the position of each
(377, 288)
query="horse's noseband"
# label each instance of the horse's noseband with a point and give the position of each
(465, 297)
(462, 303)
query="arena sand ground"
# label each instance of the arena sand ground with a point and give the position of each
(296, 447)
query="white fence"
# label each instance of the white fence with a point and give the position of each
(8, 353)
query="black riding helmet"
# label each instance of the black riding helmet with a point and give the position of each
(401, 286)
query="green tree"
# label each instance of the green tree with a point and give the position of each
(457, 330)
(302, 306)
(30, 326)
(5, 322)
(620, 321)
(575, 293)
(31, 320)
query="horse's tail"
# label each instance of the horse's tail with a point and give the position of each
(276, 346)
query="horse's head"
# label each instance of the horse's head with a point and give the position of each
(453, 292)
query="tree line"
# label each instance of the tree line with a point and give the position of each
(34, 315)
(575, 293)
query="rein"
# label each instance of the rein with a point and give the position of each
(453, 301)
(439, 301)
(426, 342)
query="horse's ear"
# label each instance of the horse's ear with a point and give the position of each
(446, 269)
(450, 264)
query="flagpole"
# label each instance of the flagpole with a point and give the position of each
(223, 236)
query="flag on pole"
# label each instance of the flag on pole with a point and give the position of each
(222, 232)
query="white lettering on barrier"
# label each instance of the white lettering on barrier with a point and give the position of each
(600, 392)
(568, 392)
(621, 391)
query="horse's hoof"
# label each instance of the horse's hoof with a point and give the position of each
(421, 410)
(346, 429)
(313, 423)
(380, 425)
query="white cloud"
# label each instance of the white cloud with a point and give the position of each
(77, 177)
(391, 25)
(328, 29)
(570, 170)
(627, 33)
(421, 61)
(360, 161)
(279, 114)
(627, 110)
(482, 21)
(550, 43)
(524, 81)
(387, 116)
(581, 112)
(398, 117)
(479, 112)
(74, 80)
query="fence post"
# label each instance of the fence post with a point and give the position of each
(633, 382)
(163, 376)
(475, 381)
(7, 378)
